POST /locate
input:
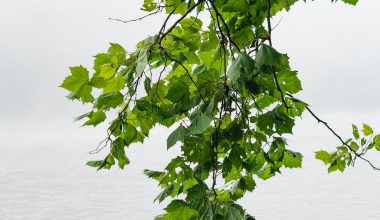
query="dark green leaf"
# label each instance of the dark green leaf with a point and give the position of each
(200, 124)
(177, 91)
(130, 133)
(243, 65)
(165, 193)
(269, 56)
(237, 6)
(177, 135)
(178, 210)
(351, 2)
(118, 152)
(234, 213)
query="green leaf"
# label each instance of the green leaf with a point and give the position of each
(367, 130)
(142, 61)
(256, 162)
(177, 135)
(176, 6)
(107, 71)
(149, 5)
(200, 124)
(250, 183)
(376, 141)
(289, 81)
(177, 91)
(117, 51)
(77, 79)
(115, 84)
(351, 2)
(178, 210)
(267, 172)
(148, 85)
(118, 152)
(234, 213)
(355, 131)
(354, 146)
(292, 159)
(196, 192)
(107, 163)
(200, 69)
(83, 94)
(237, 6)
(108, 101)
(276, 151)
(130, 133)
(165, 193)
(269, 56)
(323, 156)
(95, 118)
(153, 174)
(95, 163)
(243, 65)
(191, 24)
(100, 60)
(82, 116)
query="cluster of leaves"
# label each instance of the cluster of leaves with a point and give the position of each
(351, 149)
(222, 85)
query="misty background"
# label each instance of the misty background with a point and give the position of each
(42, 173)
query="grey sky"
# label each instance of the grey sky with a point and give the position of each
(334, 47)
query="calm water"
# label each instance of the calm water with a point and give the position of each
(42, 176)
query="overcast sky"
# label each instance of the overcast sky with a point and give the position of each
(334, 47)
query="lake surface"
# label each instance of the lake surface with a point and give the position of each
(43, 176)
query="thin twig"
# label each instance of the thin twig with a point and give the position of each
(159, 9)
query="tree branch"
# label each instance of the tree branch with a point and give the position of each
(337, 136)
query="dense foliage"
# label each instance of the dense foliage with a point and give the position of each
(223, 86)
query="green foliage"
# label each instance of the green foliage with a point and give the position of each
(346, 154)
(225, 89)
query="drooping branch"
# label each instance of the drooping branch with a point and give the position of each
(228, 32)
(319, 120)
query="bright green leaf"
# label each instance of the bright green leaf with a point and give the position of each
(292, 159)
(355, 131)
(77, 79)
(367, 130)
(95, 118)
(323, 156)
